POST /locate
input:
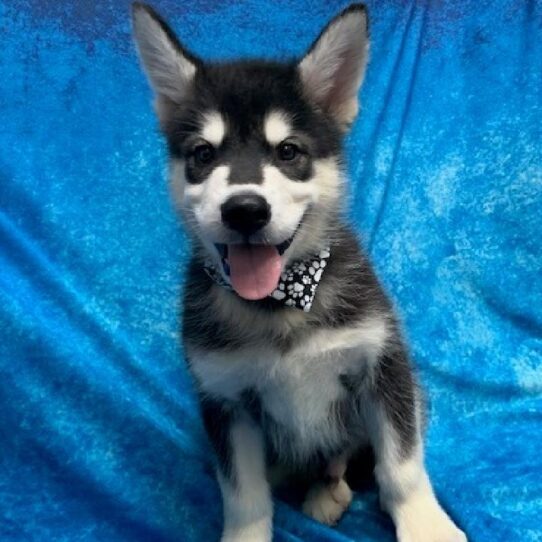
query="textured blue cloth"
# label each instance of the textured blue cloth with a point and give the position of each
(100, 437)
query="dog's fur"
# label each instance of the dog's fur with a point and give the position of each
(278, 386)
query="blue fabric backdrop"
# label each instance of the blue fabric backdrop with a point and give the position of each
(100, 439)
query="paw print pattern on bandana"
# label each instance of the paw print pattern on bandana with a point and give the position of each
(298, 282)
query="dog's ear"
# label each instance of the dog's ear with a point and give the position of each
(168, 65)
(333, 68)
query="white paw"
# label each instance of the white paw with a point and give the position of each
(326, 503)
(426, 522)
(257, 531)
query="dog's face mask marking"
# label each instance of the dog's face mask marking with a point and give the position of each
(255, 146)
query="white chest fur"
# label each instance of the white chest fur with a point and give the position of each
(296, 389)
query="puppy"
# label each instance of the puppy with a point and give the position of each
(294, 347)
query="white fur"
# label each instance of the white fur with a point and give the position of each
(248, 508)
(326, 187)
(213, 128)
(298, 388)
(289, 200)
(333, 70)
(371, 334)
(326, 503)
(169, 71)
(405, 489)
(420, 518)
(277, 127)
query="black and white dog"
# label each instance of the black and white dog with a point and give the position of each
(295, 348)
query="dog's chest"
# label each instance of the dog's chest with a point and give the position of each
(302, 391)
(301, 397)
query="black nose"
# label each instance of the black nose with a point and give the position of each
(245, 213)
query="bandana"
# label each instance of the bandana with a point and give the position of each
(297, 284)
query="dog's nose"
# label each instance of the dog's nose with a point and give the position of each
(245, 213)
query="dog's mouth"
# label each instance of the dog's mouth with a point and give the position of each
(254, 269)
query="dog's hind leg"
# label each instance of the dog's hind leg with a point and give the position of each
(394, 425)
(246, 494)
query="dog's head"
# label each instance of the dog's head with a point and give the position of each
(256, 146)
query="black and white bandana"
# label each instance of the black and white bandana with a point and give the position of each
(298, 282)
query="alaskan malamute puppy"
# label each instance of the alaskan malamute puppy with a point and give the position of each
(295, 349)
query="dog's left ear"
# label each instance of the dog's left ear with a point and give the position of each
(332, 70)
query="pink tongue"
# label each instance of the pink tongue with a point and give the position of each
(254, 270)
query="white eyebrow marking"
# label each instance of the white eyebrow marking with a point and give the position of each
(277, 127)
(213, 128)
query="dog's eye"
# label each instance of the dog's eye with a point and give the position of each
(287, 151)
(204, 154)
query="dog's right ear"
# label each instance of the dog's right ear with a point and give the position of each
(170, 68)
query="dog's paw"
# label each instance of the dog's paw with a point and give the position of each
(445, 531)
(326, 503)
(256, 531)
(426, 523)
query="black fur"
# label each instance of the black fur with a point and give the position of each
(396, 389)
(244, 92)
(218, 417)
(245, 165)
(200, 323)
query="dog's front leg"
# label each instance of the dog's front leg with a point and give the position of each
(246, 494)
(394, 425)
